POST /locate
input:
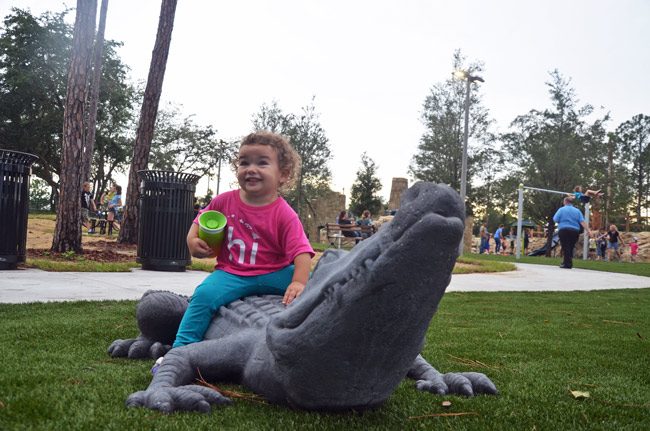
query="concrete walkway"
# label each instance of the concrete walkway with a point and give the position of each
(33, 285)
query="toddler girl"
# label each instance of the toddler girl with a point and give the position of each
(634, 249)
(265, 249)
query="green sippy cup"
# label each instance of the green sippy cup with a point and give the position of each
(212, 226)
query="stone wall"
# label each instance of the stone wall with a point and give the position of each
(397, 188)
(326, 208)
(323, 210)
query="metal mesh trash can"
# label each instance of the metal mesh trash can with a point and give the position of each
(15, 169)
(166, 214)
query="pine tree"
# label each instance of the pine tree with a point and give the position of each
(363, 195)
(67, 234)
(144, 134)
(439, 155)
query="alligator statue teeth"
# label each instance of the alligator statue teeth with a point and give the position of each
(346, 343)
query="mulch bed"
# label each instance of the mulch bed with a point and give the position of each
(97, 255)
(112, 245)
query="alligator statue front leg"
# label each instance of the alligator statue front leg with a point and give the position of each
(174, 388)
(431, 380)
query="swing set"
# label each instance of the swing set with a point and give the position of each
(520, 212)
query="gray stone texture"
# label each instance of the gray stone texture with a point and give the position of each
(346, 343)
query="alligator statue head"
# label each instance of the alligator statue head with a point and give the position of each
(363, 317)
(345, 343)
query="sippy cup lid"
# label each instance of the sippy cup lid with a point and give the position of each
(212, 224)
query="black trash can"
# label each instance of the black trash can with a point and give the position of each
(166, 214)
(15, 169)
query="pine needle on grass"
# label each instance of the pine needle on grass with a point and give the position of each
(232, 394)
(444, 415)
(472, 362)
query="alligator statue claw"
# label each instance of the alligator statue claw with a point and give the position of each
(346, 343)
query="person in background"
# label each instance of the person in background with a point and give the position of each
(487, 242)
(614, 242)
(114, 205)
(498, 238)
(484, 235)
(368, 228)
(87, 205)
(105, 197)
(569, 219)
(634, 249)
(512, 236)
(343, 220)
(586, 196)
(601, 244)
(526, 240)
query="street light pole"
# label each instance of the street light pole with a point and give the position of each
(461, 74)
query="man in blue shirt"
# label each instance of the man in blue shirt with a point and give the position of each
(569, 219)
(498, 237)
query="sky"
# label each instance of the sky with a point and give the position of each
(369, 64)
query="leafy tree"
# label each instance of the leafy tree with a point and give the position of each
(34, 58)
(205, 200)
(310, 141)
(116, 119)
(439, 155)
(144, 134)
(634, 138)
(67, 233)
(179, 144)
(224, 153)
(363, 195)
(40, 194)
(554, 148)
(486, 166)
(547, 149)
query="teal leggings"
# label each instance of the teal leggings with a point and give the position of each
(221, 288)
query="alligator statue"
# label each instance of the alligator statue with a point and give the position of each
(346, 343)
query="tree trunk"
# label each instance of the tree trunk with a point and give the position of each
(218, 176)
(94, 93)
(67, 235)
(144, 134)
(610, 174)
(640, 183)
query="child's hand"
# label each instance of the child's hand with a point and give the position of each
(293, 291)
(199, 248)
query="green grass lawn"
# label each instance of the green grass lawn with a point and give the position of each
(537, 347)
(78, 263)
(637, 268)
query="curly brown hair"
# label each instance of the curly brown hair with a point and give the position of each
(288, 159)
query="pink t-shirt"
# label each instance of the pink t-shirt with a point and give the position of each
(634, 248)
(258, 240)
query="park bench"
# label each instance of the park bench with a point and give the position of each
(100, 224)
(336, 233)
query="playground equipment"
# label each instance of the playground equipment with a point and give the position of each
(542, 250)
(520, 213)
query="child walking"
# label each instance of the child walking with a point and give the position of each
(265, 250)
(634, 249)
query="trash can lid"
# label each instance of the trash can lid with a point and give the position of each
(16, 157)
(168, 177)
